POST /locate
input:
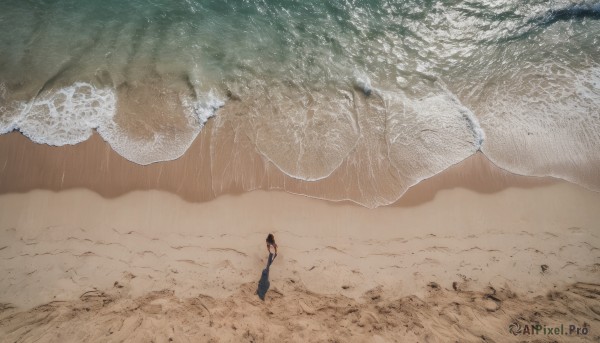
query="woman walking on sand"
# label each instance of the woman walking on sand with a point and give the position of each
(264, 284)
(271, 243)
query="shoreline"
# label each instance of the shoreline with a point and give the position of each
(94, 165)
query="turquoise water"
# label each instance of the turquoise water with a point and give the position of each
(414, 85)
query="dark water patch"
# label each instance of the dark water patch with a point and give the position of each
(538, 23)
(573, 12)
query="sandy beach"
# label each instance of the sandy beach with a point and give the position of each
(113, 251)
(430, 171)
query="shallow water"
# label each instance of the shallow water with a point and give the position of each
(399, 90)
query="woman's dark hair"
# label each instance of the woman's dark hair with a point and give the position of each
(270, 238)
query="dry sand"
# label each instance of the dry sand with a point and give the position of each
(460, 257)
(150, 265)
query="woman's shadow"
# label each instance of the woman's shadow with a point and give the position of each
(264, 284)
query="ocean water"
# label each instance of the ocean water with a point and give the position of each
(399, 89)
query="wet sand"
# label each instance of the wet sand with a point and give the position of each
(197, 177)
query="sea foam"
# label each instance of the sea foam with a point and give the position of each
(69, 115)
(64, 116)
(204, 107)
